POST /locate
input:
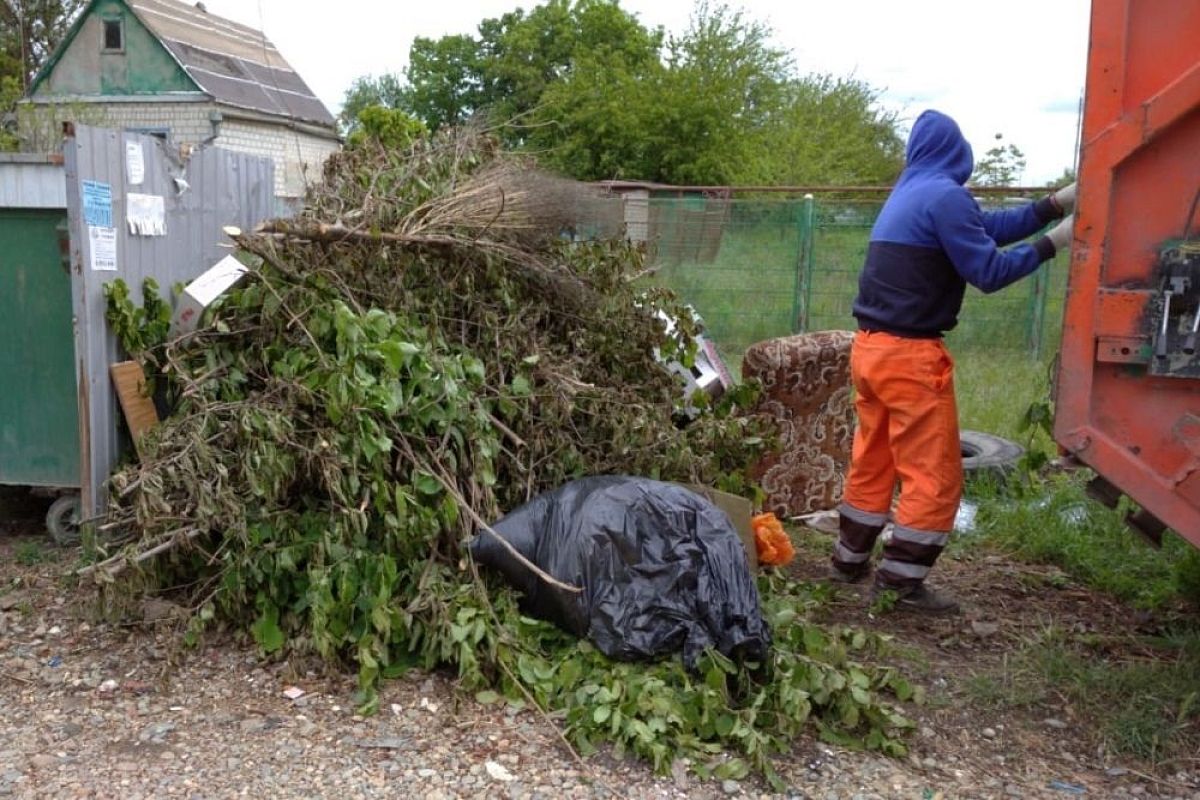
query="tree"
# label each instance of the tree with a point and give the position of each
(694, 119)
(598, 95)
(833, 131)
(445, 80)
(725, 85)
(723, 108)
(1002, 165)
(1065, 177)
(30, 31)
(389, 127)
(517, 56)
(386, 91)
(10, 93)
(598, 123)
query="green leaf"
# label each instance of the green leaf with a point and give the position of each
(487, 697)
(368, 703)
(266, 631)
(520, 386)
(734, 769)
(815, 642)
(426, 483)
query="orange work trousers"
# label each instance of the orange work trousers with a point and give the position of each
(907, 432)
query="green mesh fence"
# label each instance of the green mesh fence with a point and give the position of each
(737, 262)
(759, 269)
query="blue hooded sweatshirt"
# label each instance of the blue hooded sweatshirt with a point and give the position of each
(931, 239)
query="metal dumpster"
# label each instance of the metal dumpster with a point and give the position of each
(39, 418)
(1128, 389)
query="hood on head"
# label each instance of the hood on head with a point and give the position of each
(936, 143)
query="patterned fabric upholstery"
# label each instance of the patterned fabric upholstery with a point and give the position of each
(806, 387)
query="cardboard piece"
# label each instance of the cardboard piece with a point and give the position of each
(739, 510)
(200, 293)
(140, 413)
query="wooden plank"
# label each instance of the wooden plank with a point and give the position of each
(140, 413)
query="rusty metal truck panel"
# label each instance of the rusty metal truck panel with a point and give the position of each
(1128, 387)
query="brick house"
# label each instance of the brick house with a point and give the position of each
(171, 69)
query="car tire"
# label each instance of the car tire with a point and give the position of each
(985, 453)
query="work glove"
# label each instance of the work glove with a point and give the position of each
(1064, 199)
(1060, 234)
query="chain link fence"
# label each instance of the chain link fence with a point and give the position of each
(756, 269)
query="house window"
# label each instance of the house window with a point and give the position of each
(161, 133)
(114, 35)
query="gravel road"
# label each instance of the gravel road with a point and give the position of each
(97, 711)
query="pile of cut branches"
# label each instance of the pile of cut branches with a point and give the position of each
(420, 351)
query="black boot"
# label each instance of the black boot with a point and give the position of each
(907, 559)
(919, 598)
(852, 554)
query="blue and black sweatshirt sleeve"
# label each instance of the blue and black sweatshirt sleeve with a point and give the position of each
(972, 239)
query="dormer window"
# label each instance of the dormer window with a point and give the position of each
(114, 35)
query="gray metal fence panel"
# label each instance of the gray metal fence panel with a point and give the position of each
(201, 194)
(31, 181)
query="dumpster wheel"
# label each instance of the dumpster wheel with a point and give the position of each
(62, 520)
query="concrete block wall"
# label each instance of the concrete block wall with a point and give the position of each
(40, 125)
(299, 157)
(187, 123)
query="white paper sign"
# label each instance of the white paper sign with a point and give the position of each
(135, 163)
(145, 214)
(103, 246)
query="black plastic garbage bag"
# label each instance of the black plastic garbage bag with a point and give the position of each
(662, 569)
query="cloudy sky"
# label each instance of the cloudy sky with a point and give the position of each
(1015, 68)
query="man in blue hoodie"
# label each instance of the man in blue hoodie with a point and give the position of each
(931, 239)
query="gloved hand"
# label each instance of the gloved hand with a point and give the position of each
(1060, 234)
(1064, 198)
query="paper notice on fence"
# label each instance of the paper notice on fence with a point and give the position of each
(135, 163)
(103, 246)
(97, 204)
(146, 214)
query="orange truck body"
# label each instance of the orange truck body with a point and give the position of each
(1128, 383)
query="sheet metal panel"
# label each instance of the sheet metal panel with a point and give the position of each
(222, 188)
(31, 182)
(1130, 414)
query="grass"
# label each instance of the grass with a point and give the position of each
(29, 553)
(1146, 705)
(748, 291)
(994, 390)
(1054, 522)
(1141, 695)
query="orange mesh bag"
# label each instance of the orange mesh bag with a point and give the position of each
(771, 540)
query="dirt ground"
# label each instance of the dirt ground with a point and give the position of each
(95, 710)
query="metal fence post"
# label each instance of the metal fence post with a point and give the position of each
(1037, 316)
(804, 274)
